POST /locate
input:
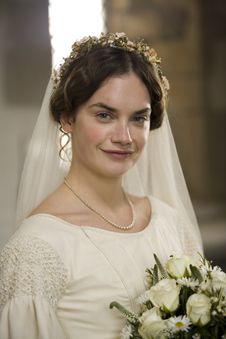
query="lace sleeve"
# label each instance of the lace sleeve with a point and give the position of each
(29, 266)
(32, 280)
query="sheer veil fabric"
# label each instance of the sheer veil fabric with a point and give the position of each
(158, 171)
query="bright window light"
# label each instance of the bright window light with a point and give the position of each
(70, 20)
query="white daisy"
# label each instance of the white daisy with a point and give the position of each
(126, 332)
(216, 269)
(188, 282)
(180, 323)
(204, 272)
(143, 298)
(206, 268)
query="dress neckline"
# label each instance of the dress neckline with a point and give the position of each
(96, 228)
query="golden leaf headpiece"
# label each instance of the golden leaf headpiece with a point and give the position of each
(117, 40)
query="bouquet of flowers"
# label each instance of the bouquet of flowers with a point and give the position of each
(182, 301)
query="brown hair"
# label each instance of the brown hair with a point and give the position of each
(87, 72)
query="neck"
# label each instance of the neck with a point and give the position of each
(94, 187)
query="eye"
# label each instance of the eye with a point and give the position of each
(140, 119)
(104, 116)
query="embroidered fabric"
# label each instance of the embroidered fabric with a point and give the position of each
(29, 266)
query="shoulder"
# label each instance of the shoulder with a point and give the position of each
(25, 249)
(139, 202)
(30, 266)
(59, 235)
(61, 208)
(162, 208)
(156, 205)
(52, 204)
(143, 209)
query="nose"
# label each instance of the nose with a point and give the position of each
(122, 134)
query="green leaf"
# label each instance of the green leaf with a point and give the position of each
(130, 316)
(196, 273)
(155, 274)
(160, 266)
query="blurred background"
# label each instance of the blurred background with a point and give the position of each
(190, 37)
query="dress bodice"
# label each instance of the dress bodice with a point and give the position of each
(73, 273)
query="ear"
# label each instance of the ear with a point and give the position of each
(67, 124)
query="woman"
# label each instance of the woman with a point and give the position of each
(87, 241)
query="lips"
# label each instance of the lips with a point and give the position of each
(118, 154)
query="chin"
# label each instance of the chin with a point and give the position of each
(116, 171)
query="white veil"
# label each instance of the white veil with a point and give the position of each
(158, 171)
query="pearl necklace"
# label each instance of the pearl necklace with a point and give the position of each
(127, 227)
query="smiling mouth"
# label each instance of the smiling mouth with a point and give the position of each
(118, 154)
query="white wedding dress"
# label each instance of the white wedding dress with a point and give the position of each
(58, 280)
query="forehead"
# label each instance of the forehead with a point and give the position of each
(127, 89)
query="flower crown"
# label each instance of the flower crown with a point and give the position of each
(116, 40)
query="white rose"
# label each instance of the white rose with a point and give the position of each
(179, 266)
(218, 279)
(198, 309)
(151, 315)
(165, 294)
(151, 324)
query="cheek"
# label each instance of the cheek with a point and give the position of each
(142, 138)
(88, 137)
(93, 134)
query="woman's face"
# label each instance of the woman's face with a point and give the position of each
(111, 129)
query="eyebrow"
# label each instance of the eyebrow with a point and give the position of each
(114, 110)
